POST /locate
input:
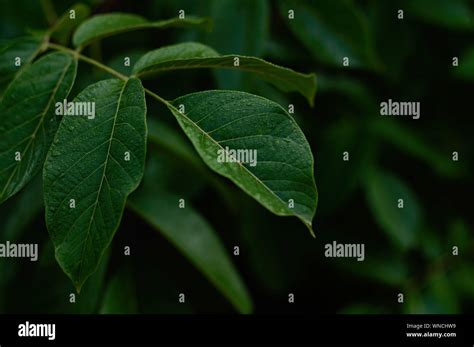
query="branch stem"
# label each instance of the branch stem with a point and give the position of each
(103, 67)
(88, 60)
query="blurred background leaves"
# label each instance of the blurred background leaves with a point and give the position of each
(408, 250)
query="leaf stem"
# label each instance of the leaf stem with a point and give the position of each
(159, 98)
(105, 68)
(88, 60)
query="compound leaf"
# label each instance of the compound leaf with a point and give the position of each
(88, 177)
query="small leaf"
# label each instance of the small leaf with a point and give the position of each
(56, 300)
(87, 163)
(24, 48)
(105, 25)
(196, 55)
(363, 309)
(174, 141)
(331, 30)
(120, 296)
(20, 210)
(192, 235)
(64, 27)
(414, 144)
(281, 176)
(465, 70)
(388, 268)
(27, 119)
(384, 192)
(15, 216)
(451, 14)
(181, 154)
(247, 23)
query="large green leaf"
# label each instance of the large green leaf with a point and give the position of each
(104, 25)
(192, 235)
(87, 163)
(331, 30)
(281, 177)
(190, 55)
(25, 48)
(383, 192)
(27, 119)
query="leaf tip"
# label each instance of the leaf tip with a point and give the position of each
(312, 93)
(310, 228)
(78, 286)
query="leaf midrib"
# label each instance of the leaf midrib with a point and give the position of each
(148, 71)
(102, 178)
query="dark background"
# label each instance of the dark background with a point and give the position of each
(407, 251)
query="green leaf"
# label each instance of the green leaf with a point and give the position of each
(164, 136)
(87, 163)
(383, 192)
(27, 119)
(181, 152)
(465, 70)
(64, 27)
(338, 179)
(192, 235)
(363, 309)
(451, 14)
(105, 25)
(26, 48)
(190, 55)
(388, 268)
(20, 210)
(331, 30)
(120, 296)
(218, 122)
(247, 23)
(15, 216)
(56, 299)
(414, 144)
